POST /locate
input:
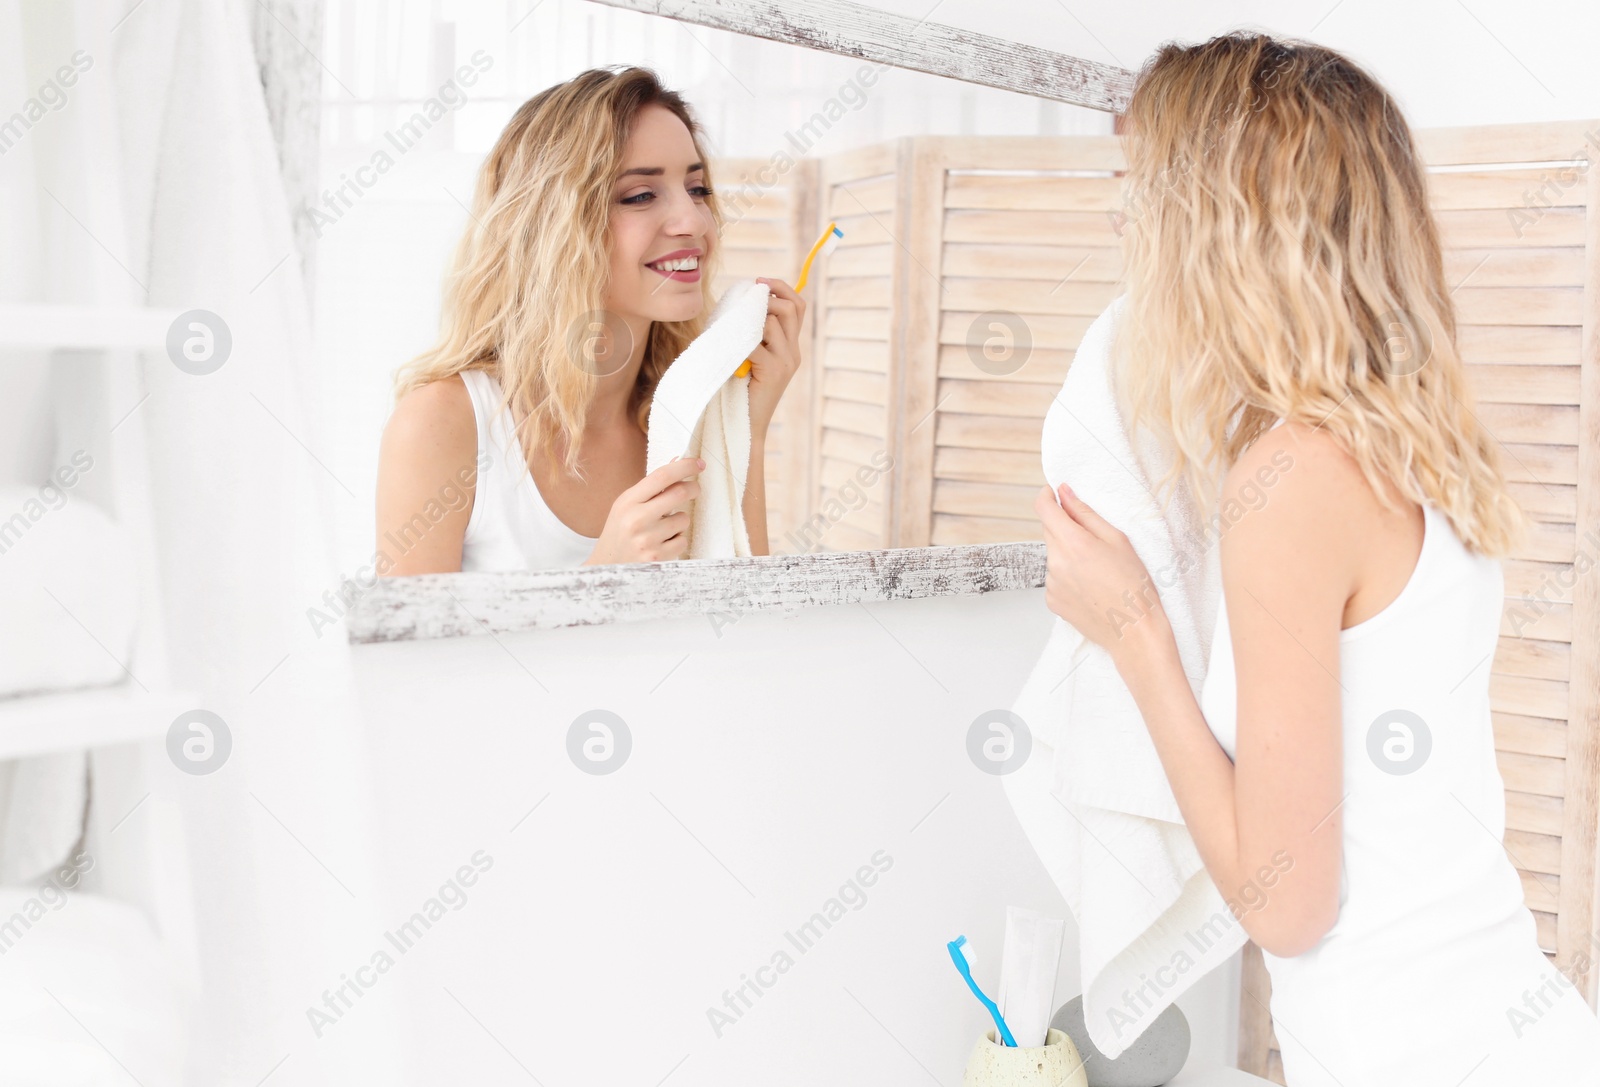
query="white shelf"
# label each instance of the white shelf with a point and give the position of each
(97, 717)
(39, 326)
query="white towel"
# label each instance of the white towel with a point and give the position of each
(701, 410)
(1094, 799)
(67, 570)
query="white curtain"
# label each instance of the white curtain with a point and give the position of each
(168, 195)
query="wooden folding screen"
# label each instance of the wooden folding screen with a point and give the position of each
(910, 368)
(856, 322)
(829, 459)
(1021, 233)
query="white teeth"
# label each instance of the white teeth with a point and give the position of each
(686, 264)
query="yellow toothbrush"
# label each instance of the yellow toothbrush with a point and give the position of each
(825, 244)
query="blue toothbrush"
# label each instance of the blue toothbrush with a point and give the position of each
(966, 972)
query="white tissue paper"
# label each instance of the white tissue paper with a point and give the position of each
(1028, 967)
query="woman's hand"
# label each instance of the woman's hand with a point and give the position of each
(777, 358)
(648, 520)
(1094, 578)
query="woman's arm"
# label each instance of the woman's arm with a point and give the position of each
(1268, 826)
(427, 475)
(755, 496)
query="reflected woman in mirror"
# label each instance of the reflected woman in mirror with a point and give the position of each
(518, 441)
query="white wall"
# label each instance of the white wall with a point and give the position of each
(770, 760)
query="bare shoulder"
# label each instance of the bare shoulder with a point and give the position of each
(426, 479)
(435, 417)
(1296, 500)
(1306, 457)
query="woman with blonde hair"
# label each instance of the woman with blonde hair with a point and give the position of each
(518, 441)
(1288, 329)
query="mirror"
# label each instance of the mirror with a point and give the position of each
(974, 252)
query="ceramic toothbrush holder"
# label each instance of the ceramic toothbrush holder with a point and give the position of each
(1054, 1064)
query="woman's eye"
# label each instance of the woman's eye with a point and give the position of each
(699, 192)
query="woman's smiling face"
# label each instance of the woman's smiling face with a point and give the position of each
(661, 227)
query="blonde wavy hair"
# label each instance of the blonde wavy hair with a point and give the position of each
(528, 280)
(1279, 244)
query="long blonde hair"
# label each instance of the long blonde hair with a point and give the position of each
(526, 286)
(1279, 246)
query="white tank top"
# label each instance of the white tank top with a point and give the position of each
(1424, 974)
(511, 527)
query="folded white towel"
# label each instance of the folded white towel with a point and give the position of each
(66, 569)
(1094, 799)
(70, 598)
(701, 410)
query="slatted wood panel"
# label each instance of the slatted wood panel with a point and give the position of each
(1527, 289)
(770, 222)
(854, 311)
(1021, 233)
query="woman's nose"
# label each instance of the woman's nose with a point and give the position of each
(684, 217)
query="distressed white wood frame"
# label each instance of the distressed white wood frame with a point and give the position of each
(455, 605)
(287, 37)
(836, 26)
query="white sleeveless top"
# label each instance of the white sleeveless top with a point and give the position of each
(1433, 968)
(511, 527)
